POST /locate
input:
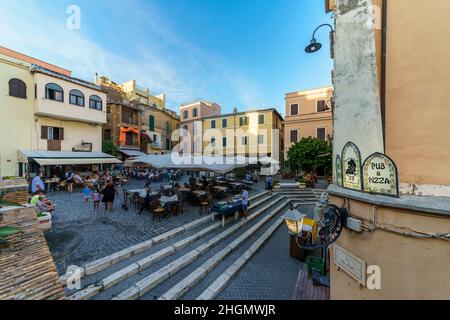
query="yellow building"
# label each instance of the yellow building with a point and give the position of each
(390, 109)
(308, 114)
(256, 133)
(16, 112)
(44, 108)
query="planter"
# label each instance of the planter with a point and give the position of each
(45, 221)
(302, 185)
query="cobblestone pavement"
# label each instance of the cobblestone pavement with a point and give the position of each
(80, 234)
(271, 274)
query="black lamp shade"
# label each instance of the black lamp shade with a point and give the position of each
(314, 46)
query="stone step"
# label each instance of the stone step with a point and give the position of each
(223, 280)
(151, 281)
(197, 275)
(111, 279)
(108, 261)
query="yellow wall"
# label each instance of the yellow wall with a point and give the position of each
(235, 132)
(65, 110)
(16, 115)
(418, 86)
(411, 268)
(74, 134)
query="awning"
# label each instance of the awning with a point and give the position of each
(49, 158)
(65, 162)
(132, 153)
(220, 165)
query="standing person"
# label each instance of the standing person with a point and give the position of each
(145, 194)
(109, 193)
(69, 179)
(96, 198)
(37, 184)
(86, 193)
(245, 203)
(270, 184)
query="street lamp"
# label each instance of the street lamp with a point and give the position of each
(315, 46)
(294, 221)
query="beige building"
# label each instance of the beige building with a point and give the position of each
(191, 115)
(390, 97)
(45, 109)
(308, 114)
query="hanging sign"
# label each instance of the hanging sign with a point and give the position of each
(380, 175)
(351, 167)
(338, 170)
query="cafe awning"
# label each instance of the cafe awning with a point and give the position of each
(132, 153)
(220, 165)
(50, 158)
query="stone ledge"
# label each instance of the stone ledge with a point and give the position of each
(421, 204)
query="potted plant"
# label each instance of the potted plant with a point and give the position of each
(276, 184)
(302, 183)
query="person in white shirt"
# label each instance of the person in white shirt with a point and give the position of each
(37, 184)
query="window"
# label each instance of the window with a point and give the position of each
(213, 124)
(52, 133)
(213, 142)
(76, 97)
(151, 123)
(194, 113)
(244, 141)
(95, 103)
(17, 88)
(107, 134)
(185, 115)
(224, 123)
(321, 134)
(54, 92)
(261, 139)
(224, 142)
(294, 109)
(261, 119)
(294, 136)
(243, 121)
(321, 106)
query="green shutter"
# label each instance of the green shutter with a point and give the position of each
(152, 123)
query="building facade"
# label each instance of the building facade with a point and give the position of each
(191, 115)
(132, 110)
(308, 114)
(45, 109)
(390, 105)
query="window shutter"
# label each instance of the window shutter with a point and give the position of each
(61, 133)
(44, 132)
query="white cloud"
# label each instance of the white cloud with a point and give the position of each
(171, 65)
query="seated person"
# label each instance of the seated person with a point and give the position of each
(192, 182)
(41, 204)
(78, 179)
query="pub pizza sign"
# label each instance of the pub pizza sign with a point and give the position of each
(378, 174)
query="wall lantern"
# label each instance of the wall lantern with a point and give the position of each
(315, 46)
(294, 221)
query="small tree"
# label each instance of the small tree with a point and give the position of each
(310, 154)
(109, 148)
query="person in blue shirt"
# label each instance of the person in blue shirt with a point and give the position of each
(86, 193)
(37, 184)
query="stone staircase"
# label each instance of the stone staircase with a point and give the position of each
(195, 261)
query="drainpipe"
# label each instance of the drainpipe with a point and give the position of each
(383, 70)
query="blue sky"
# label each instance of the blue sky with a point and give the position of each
(239, 53)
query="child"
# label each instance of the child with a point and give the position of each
(96, 198)
(86, 193)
